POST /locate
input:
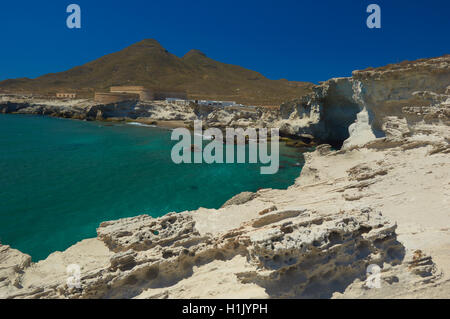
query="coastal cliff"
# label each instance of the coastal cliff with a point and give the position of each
(413, 91)
(382, 199)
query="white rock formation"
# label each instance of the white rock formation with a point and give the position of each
(412, 91)
(361, 131)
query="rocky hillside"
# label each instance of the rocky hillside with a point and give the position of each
(148, 63)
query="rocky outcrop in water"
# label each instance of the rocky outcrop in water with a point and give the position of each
(89, 110)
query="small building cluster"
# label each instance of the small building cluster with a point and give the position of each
(118, 94)
(222, 104)
(210, 103)
(139, 93)
(216, 103)
(66, 95)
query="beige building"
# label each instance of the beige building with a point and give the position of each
(66, 95)
(109, 98)
(144, 93)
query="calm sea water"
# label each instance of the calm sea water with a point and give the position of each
(59, 179)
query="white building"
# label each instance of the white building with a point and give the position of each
(176, 101)
(215, 103)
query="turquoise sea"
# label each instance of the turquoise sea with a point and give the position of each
(59, 179)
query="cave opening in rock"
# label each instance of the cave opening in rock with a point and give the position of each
(338, 114)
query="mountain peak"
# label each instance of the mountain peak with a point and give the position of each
(147, 63)
(194, 53)
(148, 43)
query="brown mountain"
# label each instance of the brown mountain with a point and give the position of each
(148, 63)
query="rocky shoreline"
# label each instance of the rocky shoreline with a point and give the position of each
(414, 91)
(382, 199)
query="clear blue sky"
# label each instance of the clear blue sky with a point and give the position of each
(304, 40)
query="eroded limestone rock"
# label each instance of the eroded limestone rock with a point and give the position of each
(294, 253)
(239, 199)
(12, 265)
